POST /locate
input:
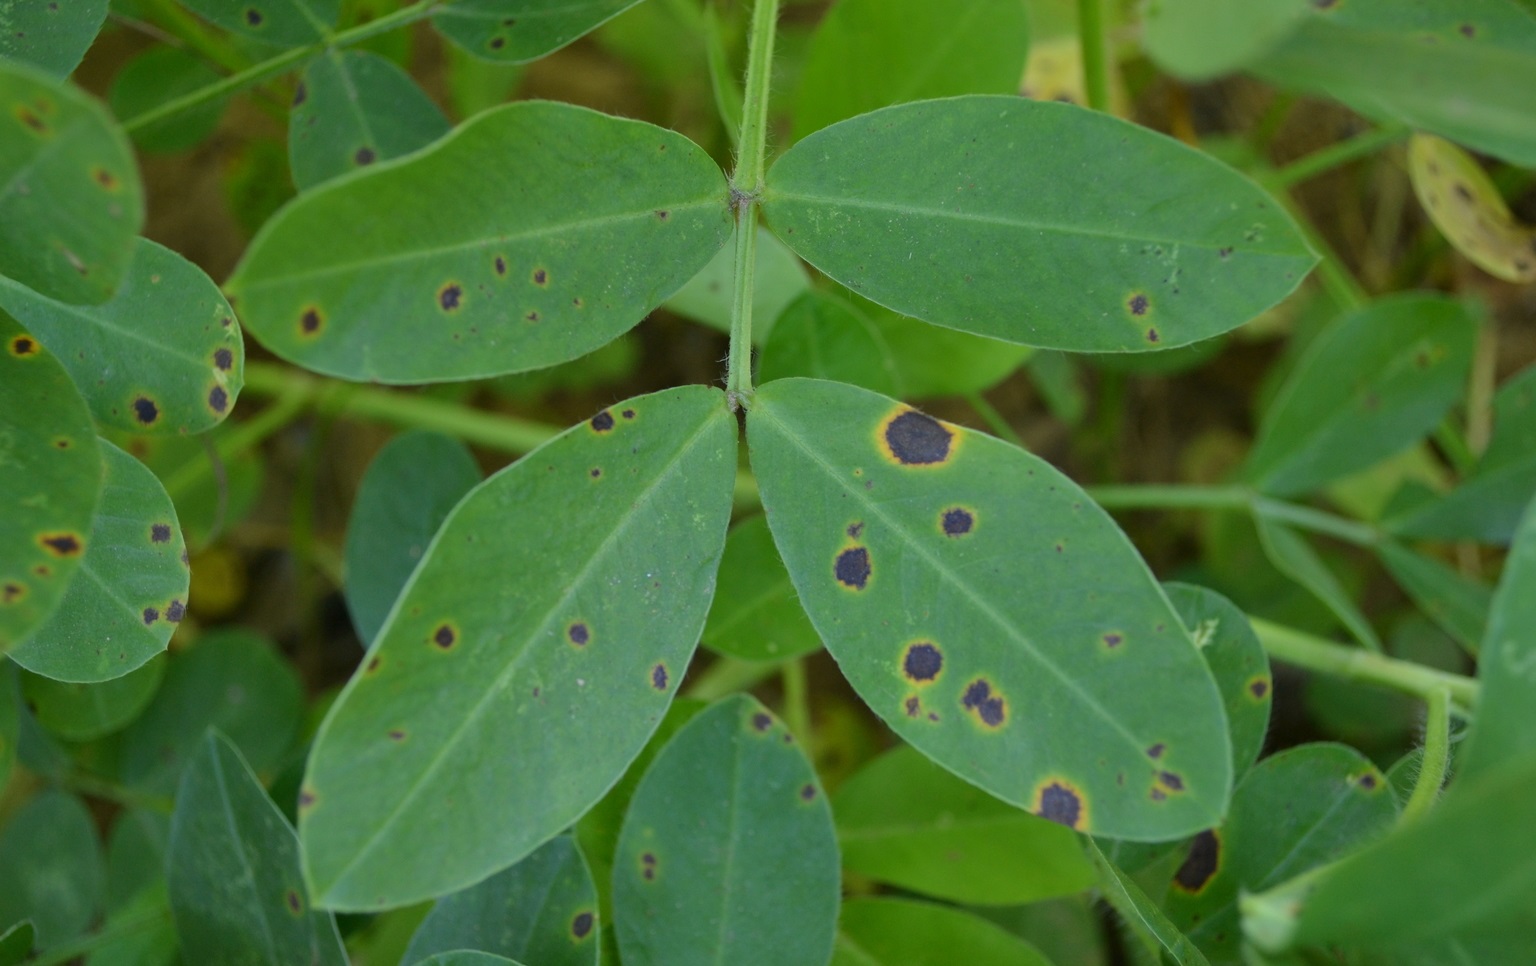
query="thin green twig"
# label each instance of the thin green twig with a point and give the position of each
(1090, 32)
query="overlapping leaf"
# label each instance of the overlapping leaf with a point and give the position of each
(1150, 926)
(1237, 662)
(163, 355)
(155, 77)
(909, 540)
(1293, 556)
(130, 591)
(516, 31)
(445, 265)
(532, 653)
(85, 712)
(70, 199)
(824, 337)
(1507, 668)
(51, 36)
(778, 278)
(756, 615)
(1458, 603)
(1038, 223)
(1202, 39)
(10, 719)
(53, 869)
(902, 932)
(52, 483)
(287, 23)
(702, 874)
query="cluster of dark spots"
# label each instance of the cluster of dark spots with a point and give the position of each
(985, 703)
(23, 346)
(145, 411)
(852, 568)
(957, 521)
(602, 422)
(396, 734)
(1258, 687)
(1113, 639)
(218, 399)
(855, 530)
(540, 277)
(923, 662)
(445, 636)
(917, 439)
(300, 93)
(175, 611)
(223, 359)
(1058, 802)
(659, 677)
(581, 925)
(150, 615)
(1138, 303)
(807, 792)
(295, 904)
(914, 706)
(365, 156)
(761, 721)
(61, 544)
(450, 296)
(311, 321)
(159, 532)
(1368, 781)
(578, 634)
(648, 866)
(1201, 865)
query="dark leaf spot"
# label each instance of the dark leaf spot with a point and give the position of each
(914, 706)
(306, 798)
(61, 544)
(500, 265)
(628, 414)
(395, 734)
(175, 611)
(1368, 782)
(295, 904)
(659, 677)
(987, 705)
(253, 17)
(603, 421)
(1171, 781)
(445, 636)
(1113, 640)
(1258, 687)
(1467, 30)
(365, 156)
(663, 215)
(450, 296)
(579, 634)
(1157, 795)
(218, 399)
(1156, 751)
(150, 616)
(852, 568)
(372, 666)
(807, 792)
(23, 346)
(223, 359)
(145, 411)
(581, 926)
(12, 592)
(159, 532)
(1462, 192)
(957, 522)
(1152, 335)
(923, 662)
(855, 530)
(1201, 864)
(300, 93)
(540, 277)
(105, 178)
(761, 721)
(1224, 253)
(1138, 304)
(498, 42)
(917, 439)
(311, 321)
(1060, 803)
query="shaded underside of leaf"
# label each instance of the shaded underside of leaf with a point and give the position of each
(50, 36)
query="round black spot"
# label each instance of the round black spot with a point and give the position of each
(23, 346)
(603, 421)
(1138, 304)
(444, 637)
(150, 616)
(223, 359)
(310, 321)
(923, 662)
(581, 926)
(540, 277)
(449, 296)
(175, 611)
(628, 414)
(1060, 804)
(659, 677)
(1201, 864)
(1113, 640)
(218, 399)
(595, 472)
(917, 439)
(253, 17)
(159, 532)
(761, 721)
(1368, 782)
(807, 792)
(1258, 687)
(365, 156)
(958, 522)
(852, 568)
(498, 42)
(145, 410)
(579, 634)
(663, 215)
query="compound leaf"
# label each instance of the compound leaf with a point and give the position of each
(533, 651)
(50, 36)
(285, 23)
(163, 355)
(232, 866)
(703, 874)
(1129, 240)
(71, 202)
(449, 265)
(131, 588)
(52, 482)
(517, 31)
(909, 541)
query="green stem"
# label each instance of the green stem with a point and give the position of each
(112, 932)
(1436, 758)
(1136, 497)
(1335, 155)
(242, 437)
(797, 700)
(747, 191)
(993, 418)
(1305, 517)
(257, 73)
(1303, 650)
(170, 17)
(1090, 32)
(87, 784)
(727, 676)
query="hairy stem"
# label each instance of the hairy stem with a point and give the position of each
(1437, 757)
(1335, 155)
(1303, 650)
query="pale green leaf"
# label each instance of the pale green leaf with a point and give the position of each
(52, 36)
(1202, 39)
(450, 265)
(517, 31)
(778, 278)
(532, 653)
(131, 588)
(85, 712)
(904, 932)
(1293, 556)
(1456, 602)
(756, 615)
(155, 77)
(825, 337)
(1128, 240)
(931, 361)
(53, 868)
(728, 854)
(909, 540)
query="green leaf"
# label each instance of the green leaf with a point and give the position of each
(517, 31)
(71, 202)
(903, 932)
(756, 615)
(1459, 604)
(824, 337)
(163, 355)
(906, 821)
(1129, 240)
(52, 482)
(131, 588)
(931, 361)
(1467, 868)
(1508, 667)
(53, 870)
(1202, 39)
(16, 944)
(778, 278)
(466, 957)
(136, 856)
(50, 36)
(140, 934)
(868, 54)
(285, 23)
(1237, 662)
(728, 854)
(445, 265)
(406, 494)
(232, 680)
(1144, 917)
(233, 870)
(1457, 68)
(534, 650)
(1487, 505)
(1294, 811)
(352, 109)
(542, 910)
(10, 719)
(210, 496)
(1294, 557)
(908, 540)
(1370, 386)
(155, 77)
(85, 712)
